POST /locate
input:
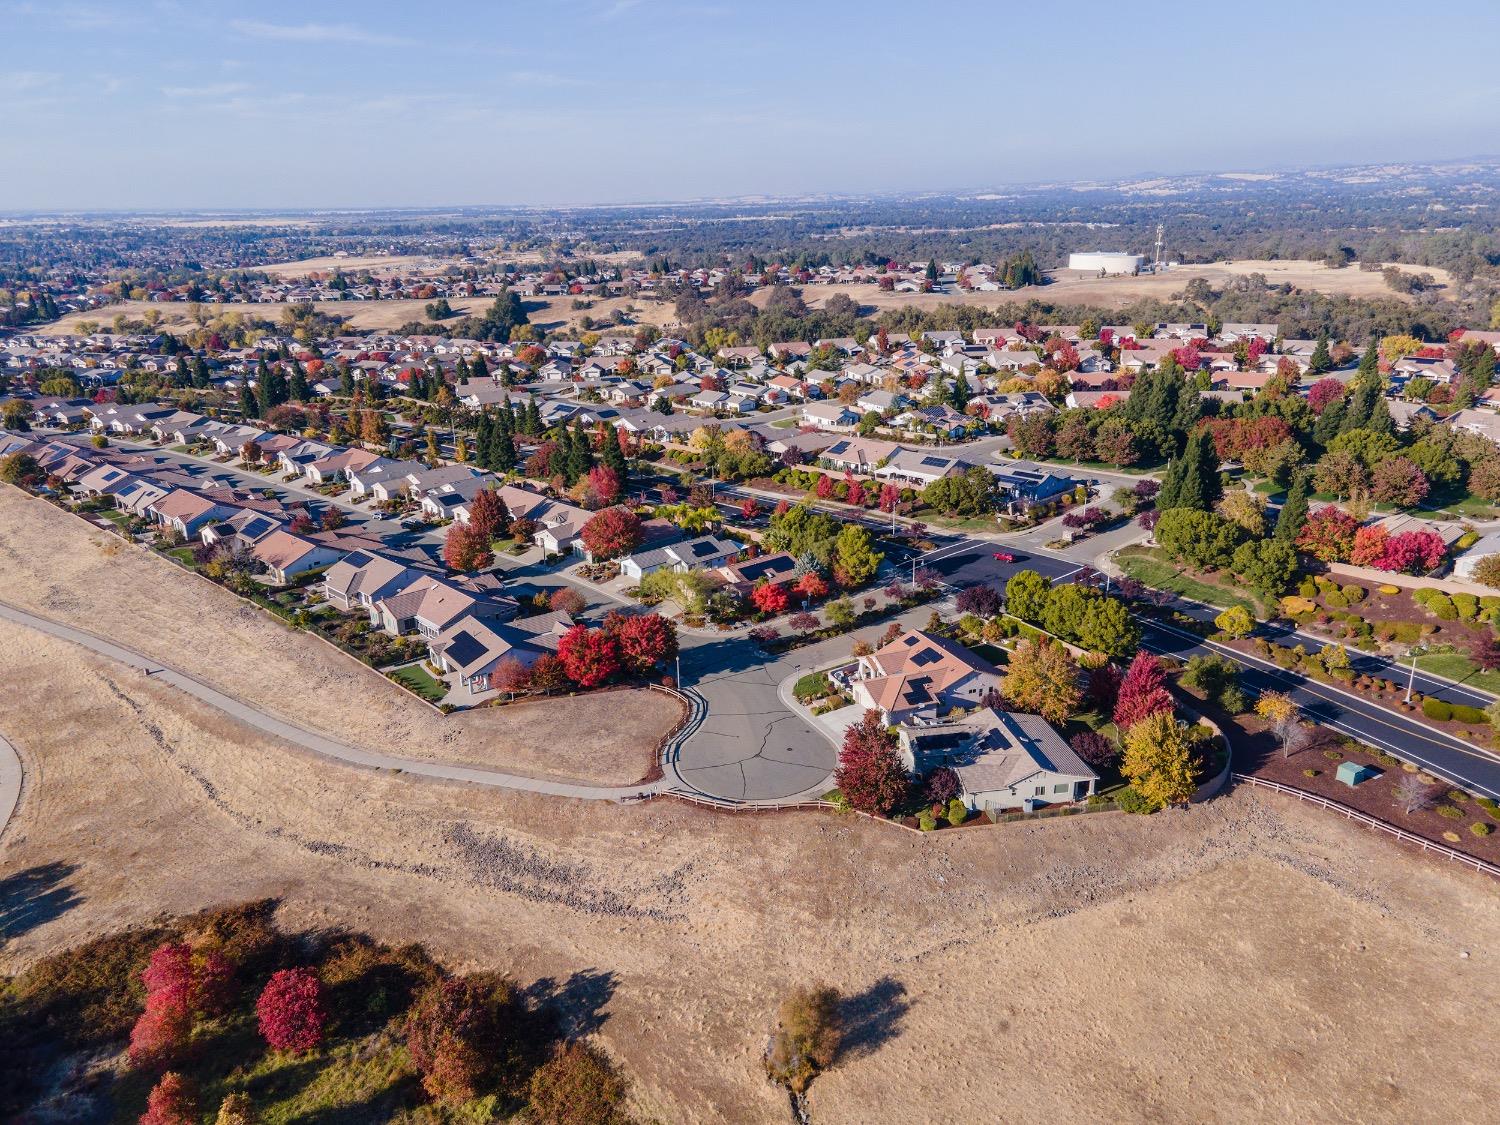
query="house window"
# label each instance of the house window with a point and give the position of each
(1061, 787)
(1041, 791)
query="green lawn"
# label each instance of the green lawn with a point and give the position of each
(814, 683)
(417, 679)
(1149, 566)
(1457, 666)
(784, 423)
(1471, 507)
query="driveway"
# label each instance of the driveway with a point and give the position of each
(753, 745)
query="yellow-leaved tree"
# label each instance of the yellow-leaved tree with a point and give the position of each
(1159, 760)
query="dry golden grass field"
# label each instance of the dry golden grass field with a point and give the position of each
(1246, 960)
(55, 565)
(1071, 287)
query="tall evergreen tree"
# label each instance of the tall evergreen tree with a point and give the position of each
(1192, 480)
(201, 378)
(297, 388)
(1320, 361)
(346, 381)
(503, 442)
(1293, 515)
(484, 441)
(478, 369)
(249, 408)
(614, 455)
(533, 424)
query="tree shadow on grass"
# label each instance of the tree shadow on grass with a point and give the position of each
(34, 897)
(872, 1018)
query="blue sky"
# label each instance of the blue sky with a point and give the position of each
(160, 103)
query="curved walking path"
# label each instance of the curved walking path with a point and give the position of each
(319, 744)
(10, 782)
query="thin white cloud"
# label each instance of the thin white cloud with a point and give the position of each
(217, 90)
(315, 33)
(27, 81)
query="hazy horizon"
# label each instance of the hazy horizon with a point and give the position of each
(583, 103)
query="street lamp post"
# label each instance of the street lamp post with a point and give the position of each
(1411, 678)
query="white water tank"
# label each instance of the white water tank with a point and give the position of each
(1106, 261)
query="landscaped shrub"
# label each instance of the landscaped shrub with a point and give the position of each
(1332, 755)
(1450, 812)
(1388, 589)
(1306, 588)
(1437, 710)
(1311, 773)
(958, 812)
(1463, 713)
(1353, 594)
(1408, 632)
(1130, 800)
(1467, 606)
(925, 821)
(1294, 604)
(1489, 805)
(1480, 828)
(1442, 608)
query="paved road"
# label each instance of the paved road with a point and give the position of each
(10, 782)
(319, 744)
(1408, 738)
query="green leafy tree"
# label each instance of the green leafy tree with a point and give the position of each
(1026, 596)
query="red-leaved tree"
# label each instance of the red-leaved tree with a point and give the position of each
(771, 598)
(1369, 545)
(644, 640)
(812, 586)
(488, 515)
(290, 1010)
(1328, 534)
(161, 1032)
(467, 548)
(870, 774)
(604, 484)
(1324, 393)
(611, 533)
(172, 1101)
(589, 656)
(510, 676)
(1412, 552)
(1143, 692)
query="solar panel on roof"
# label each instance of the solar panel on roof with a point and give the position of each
(925, 657)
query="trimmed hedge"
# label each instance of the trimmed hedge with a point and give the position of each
(1437, 710)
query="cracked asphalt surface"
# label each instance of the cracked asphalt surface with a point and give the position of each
(752, 746)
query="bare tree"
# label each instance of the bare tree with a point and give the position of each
(1292, 734)
(1413, 794)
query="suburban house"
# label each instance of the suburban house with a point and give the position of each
(829, 416)
(187, 512)
(858, 455)
(1024, 487)
(707, 552)
(1004, 760)
(285, 555)
(473, 648)
(920, 674)
(360, 579)
(336, 466)
(362, 480)
(743, 576)
(919, 468)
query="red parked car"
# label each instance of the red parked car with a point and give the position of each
(1004, 556)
